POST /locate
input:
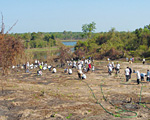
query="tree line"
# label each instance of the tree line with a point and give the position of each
(44, 39)
(114, 44)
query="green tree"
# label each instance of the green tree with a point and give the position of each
(88, 29)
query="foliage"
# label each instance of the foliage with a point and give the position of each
(50, 38)
(88, 29)
(114, 44)
(98, 45)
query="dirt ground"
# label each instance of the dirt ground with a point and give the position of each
(61, 96)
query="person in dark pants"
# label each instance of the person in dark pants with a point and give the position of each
(143, 76)
(79, 73)
(127, 72)
(138, 77)
(143, 61)
(130, 72)
(148, 76)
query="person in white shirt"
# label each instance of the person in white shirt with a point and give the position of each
(82, 62)
(54, 70)
(49, 67)
(83, 76)
(113, 66)
(109, 68)
(39, 72)
(117, 68)
(74, 64)
(44, 68)
(36, 62)
(143, 61)
(70, 71)
(148, 76)
(84, 69)
(70, 63)
(79, 66)
(127, 72)
(86, 61)
(93, 68)
(108, 59)
(138, 76)
(28, 65)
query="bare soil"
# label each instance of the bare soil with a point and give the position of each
(61, 96)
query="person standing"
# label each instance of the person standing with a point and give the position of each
(127, 72)
(117, 68)
(79, 66)
(93, 68)
(113, 66)
(89, 67)
(74, 64)
(143, 61)
(130, 72)
(138, 77)
(148, 76)
(108, 59)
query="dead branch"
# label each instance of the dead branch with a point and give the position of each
(12, 27)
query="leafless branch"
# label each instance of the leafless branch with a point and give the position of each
(2, 27)
(12, 27)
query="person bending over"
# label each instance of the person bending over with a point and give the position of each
(54, 70)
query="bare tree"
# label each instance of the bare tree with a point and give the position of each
(11, 50)
(2, 26)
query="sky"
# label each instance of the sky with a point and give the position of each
(70, 15)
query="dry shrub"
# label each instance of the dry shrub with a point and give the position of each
(113, 54)
(79, 54)
(11, 51)
(64, 52)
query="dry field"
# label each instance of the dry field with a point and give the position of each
(65, 97)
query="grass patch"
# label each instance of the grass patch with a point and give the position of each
(41, 49)
(68, 117)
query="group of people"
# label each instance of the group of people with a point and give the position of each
(139, 76)
(39, 72)
(131, 60)
(112, 67)
(84, 66)
(81, 66)
(128, 72)
(41, 65)
(142, 76)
